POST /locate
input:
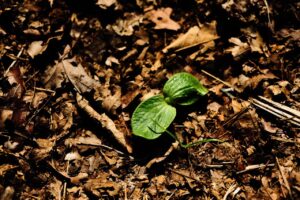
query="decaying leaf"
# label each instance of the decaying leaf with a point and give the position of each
(15, 79)
(34, 98)
(255, 40)
(100, 186)
(5, 114)
(162, 20)
(104, 120)
(45, 147)
(69, 70)
(90, 139)
(55, 188)
(36, 48)
(104, 4)
(125, 27)
(239, 48)
(6, 167)
(194, 36)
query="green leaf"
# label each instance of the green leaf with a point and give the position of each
(152, 117)
(183, 89)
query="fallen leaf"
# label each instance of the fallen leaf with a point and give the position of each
(5, 114)
(55, 188)
(6, 167)
(194, 36)
(45, 147)
(72, 156)
(125, 27)
(15, 79)
(36, 48)
(268, 126)
(239, 48)
(104, 4)
(71, 70)
(162, 20)
(255, 40)
(34, 98)
(99, 186)
(213, 108)
(104, 120)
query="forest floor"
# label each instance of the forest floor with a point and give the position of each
(73, 72)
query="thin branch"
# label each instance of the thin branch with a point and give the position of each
(14, 62)
(286, 183)
(254, 167)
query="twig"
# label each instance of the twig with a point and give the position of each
(172, 194)
(282, 107)
(253, 167)
(214, 77)
(284, 140)
(279, 113)
(230, 190)
(268, 12)
(38, 110)
(286, 183)
(214, 166)
(14, 62)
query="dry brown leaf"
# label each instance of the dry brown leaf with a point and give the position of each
(55, 188)
(54, 76)
(239, 48)
(112, 102)
(91, 140)
(255, 40)
(162, 20)
(100, 186)
(157, 184)
(34, 98)
(72, 156)
(104, 120)
(45, 147)
(268, 126)
(36, 48)
(125, 27)
(5, 114)
(213, 109)
(6, 167)
(15, 79)
(78, 76)
(194, 36)
(104, 4)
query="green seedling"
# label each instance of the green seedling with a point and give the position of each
(153, 116)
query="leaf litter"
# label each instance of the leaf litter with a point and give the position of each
(74, 72)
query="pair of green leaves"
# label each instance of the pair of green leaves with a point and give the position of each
(153, 116)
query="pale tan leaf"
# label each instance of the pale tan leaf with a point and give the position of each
(104, 4)
(36, 48)
(194, 36)
(162, 20)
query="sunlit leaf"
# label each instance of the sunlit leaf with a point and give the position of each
(152, 117)
(183, 89)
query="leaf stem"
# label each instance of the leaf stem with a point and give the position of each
(189, 144)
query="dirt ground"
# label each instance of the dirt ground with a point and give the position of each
(73, 72)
